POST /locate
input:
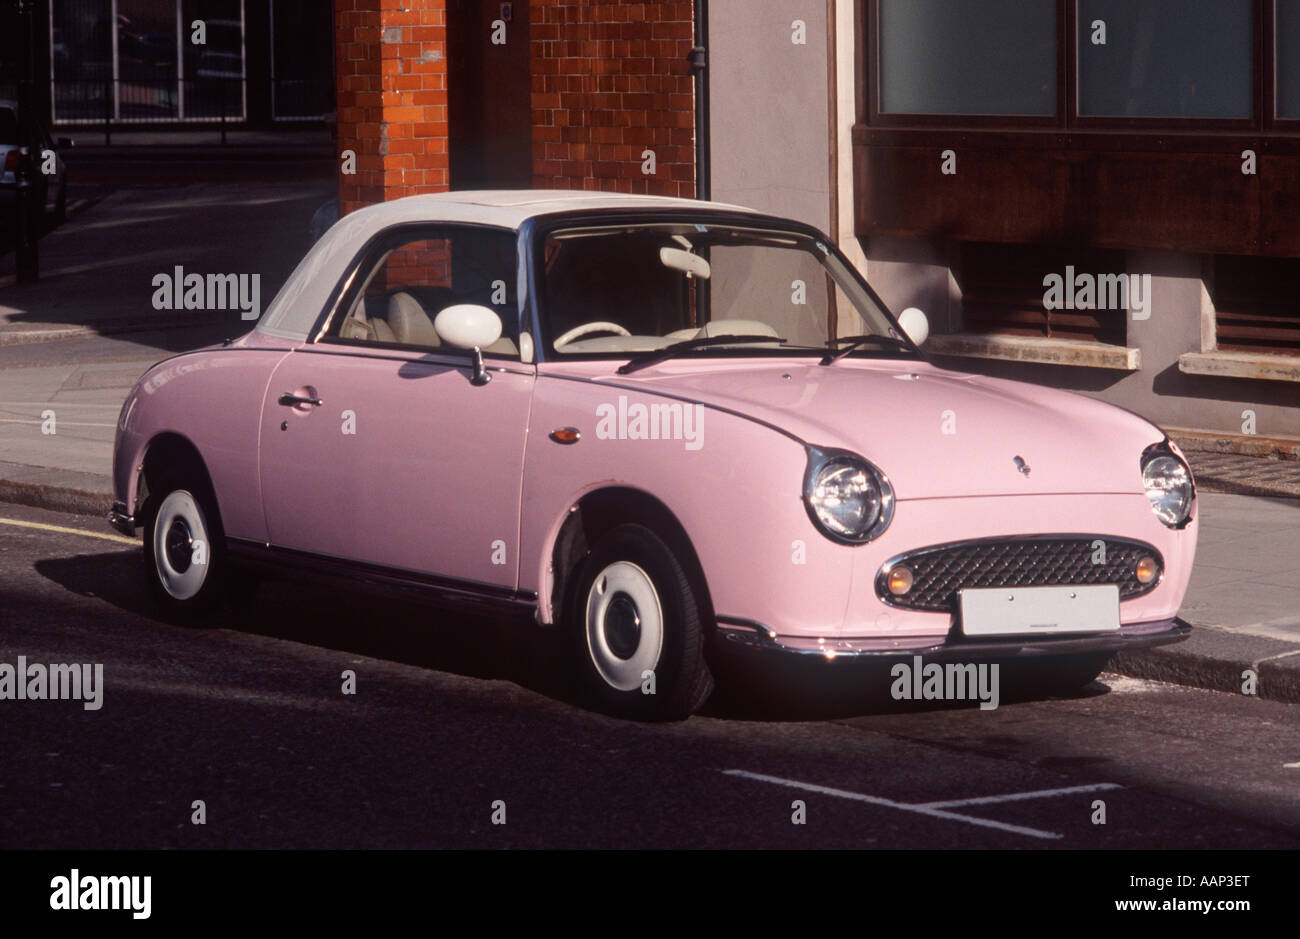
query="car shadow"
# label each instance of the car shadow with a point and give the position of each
(347, 618)
(814, 689)
(366, 621)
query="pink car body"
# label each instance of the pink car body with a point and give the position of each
(467, 488)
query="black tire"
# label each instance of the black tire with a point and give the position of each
(189, 582)
(645, 617)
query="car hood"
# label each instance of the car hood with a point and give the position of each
(933, 432)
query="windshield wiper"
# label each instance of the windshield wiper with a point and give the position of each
(643, 359)
(855, 342)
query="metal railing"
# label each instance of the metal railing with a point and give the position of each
(124, 102)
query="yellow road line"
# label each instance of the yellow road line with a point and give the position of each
(120, 539)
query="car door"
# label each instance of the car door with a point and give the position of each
(377, 446)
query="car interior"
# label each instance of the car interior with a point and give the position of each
(397, 306)
(638, 289)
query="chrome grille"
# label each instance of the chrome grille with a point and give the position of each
(1044, 561)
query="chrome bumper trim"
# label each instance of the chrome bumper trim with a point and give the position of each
(754, 636)
(121, 519)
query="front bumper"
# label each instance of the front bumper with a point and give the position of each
(120, 517)
(755, 637)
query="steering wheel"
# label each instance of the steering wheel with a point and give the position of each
(587, 329)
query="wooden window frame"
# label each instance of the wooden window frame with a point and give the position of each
(1264, 117)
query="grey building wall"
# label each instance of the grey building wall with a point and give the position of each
(770, 120)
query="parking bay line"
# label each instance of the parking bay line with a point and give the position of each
(69, 531)
(935, 809)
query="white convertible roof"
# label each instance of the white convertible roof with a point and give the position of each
(299, 302)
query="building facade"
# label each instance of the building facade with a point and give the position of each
(167, 63)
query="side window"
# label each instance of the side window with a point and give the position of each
(416, 274)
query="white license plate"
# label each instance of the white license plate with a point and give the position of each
(1044, 611)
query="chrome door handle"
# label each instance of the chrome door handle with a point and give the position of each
(292, 400)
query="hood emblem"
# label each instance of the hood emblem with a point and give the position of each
(1022, 465)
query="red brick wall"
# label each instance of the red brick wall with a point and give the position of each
(392, 98)
(611, 80)
(422, 263)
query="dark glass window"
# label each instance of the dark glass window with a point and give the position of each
(973, 57)
(1166, 58)
(1288, 59)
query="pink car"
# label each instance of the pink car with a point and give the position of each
(669, 429)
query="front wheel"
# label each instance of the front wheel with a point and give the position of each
(182, 554)
(635, 623)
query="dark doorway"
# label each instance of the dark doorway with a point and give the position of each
(488, 90)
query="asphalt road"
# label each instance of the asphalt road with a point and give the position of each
(451, 715)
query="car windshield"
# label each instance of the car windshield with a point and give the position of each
(627, 290)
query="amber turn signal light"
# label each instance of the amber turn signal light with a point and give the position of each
(1147, 570)
(900, 580)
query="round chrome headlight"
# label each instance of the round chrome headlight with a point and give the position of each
(1168, 484)
(847, 498)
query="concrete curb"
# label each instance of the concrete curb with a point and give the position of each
(55, 498)
(18, 336)
(1214, 658)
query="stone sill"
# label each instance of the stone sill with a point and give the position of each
(1241, 365)
(1073, 352)
(1206, 441)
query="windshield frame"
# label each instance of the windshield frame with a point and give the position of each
(533, 234)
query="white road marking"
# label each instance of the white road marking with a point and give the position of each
(920, 809)
(1020, 796)
(1291, 765)
(120, 539)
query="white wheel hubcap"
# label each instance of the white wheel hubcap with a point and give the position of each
(625, 625)
(181, 550)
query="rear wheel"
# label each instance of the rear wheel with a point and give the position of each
(634, 620)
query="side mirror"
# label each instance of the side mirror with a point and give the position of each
(65, 143)
(468, 326)
(915, 325)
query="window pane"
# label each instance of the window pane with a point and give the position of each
(81, 53)
(302, 51)
(972, 57)
(1288, 58)
(146, 60)
(1165, 58)
(214, 71)
(421, 276)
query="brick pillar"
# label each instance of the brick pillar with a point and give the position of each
(610, 81)
(392, 98)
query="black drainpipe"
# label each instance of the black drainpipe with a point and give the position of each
(699, 68)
